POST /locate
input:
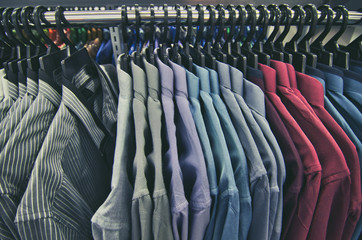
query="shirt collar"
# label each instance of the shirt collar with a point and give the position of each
(203, 75)
(270, 81)
(282, 73)
(166, 76)
(193, 84)
(254, 97)
(180, 78)
(47, 90)
(152, 79)
(224, 75)
(236, 78)
(256, 76)
(311, 89)
(125, 83)
(328, 69)
(292, 77)
(139, 82)
(72, 101)
(13, 89)
(214, 81)
(32, 82)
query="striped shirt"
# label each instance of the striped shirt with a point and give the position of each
(71, 175)
(9, 99)
(2, 73)
(17, 111)
(25, 141)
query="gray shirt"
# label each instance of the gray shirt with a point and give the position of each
(258, 179)
(113, 219)
(142, 206)
(161, 219)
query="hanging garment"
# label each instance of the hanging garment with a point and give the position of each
(113, 219)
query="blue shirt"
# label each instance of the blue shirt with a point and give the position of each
(191, 159)
(266, 154)
(254, 98)
(334, 86)
(193, 87)
(227, 213)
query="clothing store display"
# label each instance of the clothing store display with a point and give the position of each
(144, 122)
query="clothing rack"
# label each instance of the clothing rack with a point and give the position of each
(113, 17)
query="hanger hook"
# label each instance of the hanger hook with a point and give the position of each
(252, 20)
(232, 21)
(165, 24)
(6, 15)
(276, 16)
(221, 23)
(263, 20)
(312, 17)
(38, 18)
(15, 20)
(210, 33)
(299, 13)
(287, 19)
(340, 11)
(189, 23)
(137, 25)
(124, 24)
(200, 23)
(59, 19)
(25, 15)
(242, 20)
(151, 25)
(178, 23)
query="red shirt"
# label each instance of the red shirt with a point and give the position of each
(312, 90)
(333, 200)
(299, 225)
(293, 164)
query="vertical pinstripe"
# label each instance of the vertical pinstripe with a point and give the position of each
(11, 95)
(2, 74)
(70, 178)
(18, 155)
(22, 89)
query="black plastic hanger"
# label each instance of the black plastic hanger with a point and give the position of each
(340, 57)
(317, 47)
(38, 19)
(29, 46)
(236, 46)
(275, 16)
(246, 47)
(20, 48)
(196, 53)
(303, 45)
(355, 48)
(227, 48)
(8, 48)
(25, 16)
(137, 25)
(164, 39)
(60, 21)
(299, 59)
(258, 47)
(216, 47)
(174, 53)
(40, 49)
(124, 61)
(149, 31)
(210, 59)
(185, 51)
(287, 20)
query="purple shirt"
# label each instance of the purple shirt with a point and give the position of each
(191, 159)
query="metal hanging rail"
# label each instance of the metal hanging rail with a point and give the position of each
(113, 17)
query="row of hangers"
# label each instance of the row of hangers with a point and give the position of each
(241, 53)
(23, 49)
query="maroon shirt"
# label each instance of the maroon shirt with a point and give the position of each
(333, 200)
(302, 219)
(293, 164)
(312, 90)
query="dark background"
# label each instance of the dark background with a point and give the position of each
(350, 4)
